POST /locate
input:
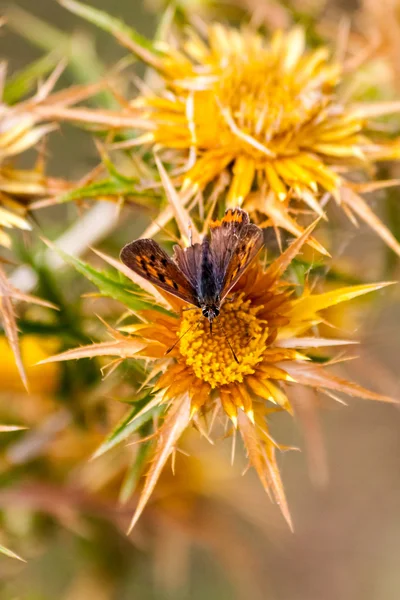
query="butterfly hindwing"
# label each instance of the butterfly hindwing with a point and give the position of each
(148, 259)
(235, 242)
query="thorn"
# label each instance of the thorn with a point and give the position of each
(233, 448)
(193, 411)
(250, 414)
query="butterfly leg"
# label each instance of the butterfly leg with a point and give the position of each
(197, 323)
(228, 342)
(231, 298)
(248, 336)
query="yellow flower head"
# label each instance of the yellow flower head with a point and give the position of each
(222, 358)
(259, 346)
(270, 113)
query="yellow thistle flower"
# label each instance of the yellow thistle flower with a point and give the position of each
(269, 112)
(245, 368)
(22, 126)
(18, 132)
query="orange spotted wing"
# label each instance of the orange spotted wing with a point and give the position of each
(147, 259)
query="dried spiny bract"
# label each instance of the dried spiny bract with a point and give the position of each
(23, 126)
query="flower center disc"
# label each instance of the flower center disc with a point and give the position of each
(264, 102)
(236, 331)
(254, 106)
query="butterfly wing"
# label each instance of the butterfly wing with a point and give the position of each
(225, 235)
(189, 261)
(147, 259)
(249, 245)
(235, 242)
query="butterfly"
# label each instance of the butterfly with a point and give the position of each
(204, 273)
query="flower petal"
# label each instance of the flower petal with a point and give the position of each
(176, 421)
(317, 376)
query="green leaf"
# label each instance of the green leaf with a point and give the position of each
(115, 286)
(108, 23)
(135, 472)
(139, 415)
(44, 329)
(114, 187)
(301, 268)
(22, 82)
(10, 553)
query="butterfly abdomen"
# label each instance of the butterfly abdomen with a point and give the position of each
(208, 288)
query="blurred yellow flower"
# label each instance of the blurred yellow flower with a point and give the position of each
(42, 379)
(269, 112)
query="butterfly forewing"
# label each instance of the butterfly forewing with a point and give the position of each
(247, 248)
(147, 259)
(225, 235)
(235, 242)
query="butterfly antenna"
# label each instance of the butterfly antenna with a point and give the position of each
(183, 335)
(231, 349)
(229, 344)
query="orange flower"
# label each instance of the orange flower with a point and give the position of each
(245, 369)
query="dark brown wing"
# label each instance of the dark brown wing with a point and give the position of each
(225, 235)
(247, 248)
(147, 259)
(189, 262)
(235, 242)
